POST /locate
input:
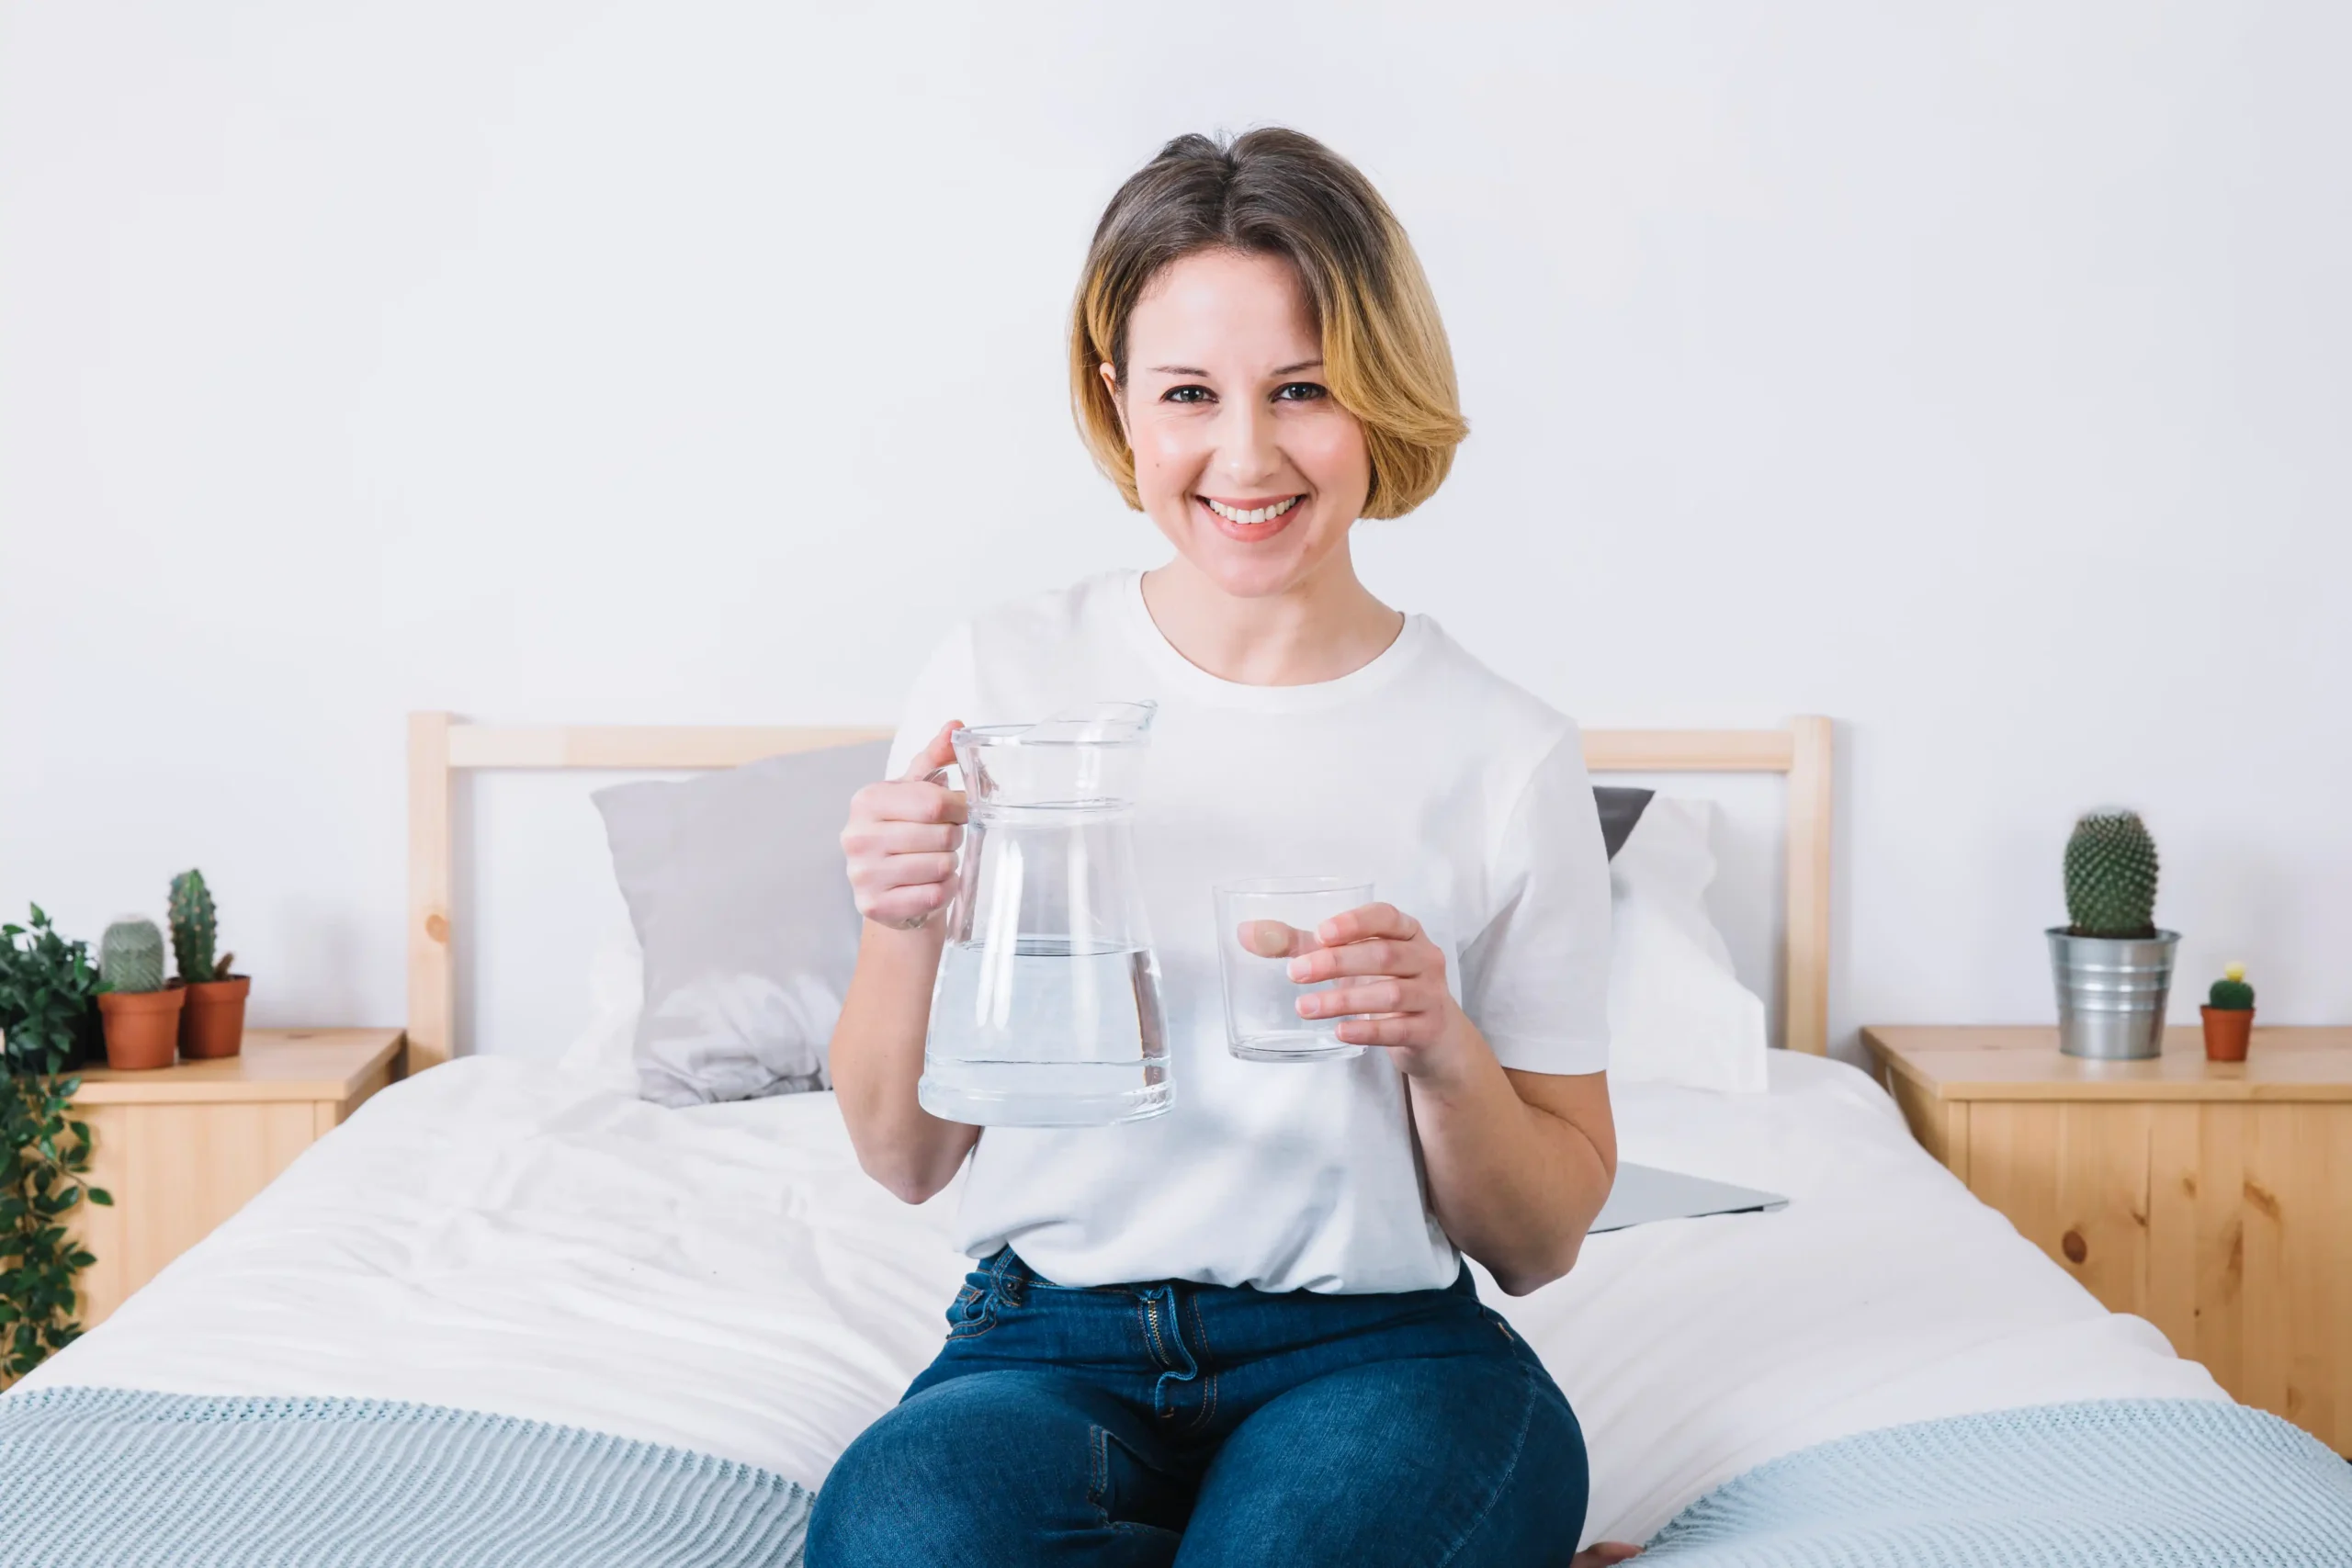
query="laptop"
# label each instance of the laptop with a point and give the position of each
(1643, 1193)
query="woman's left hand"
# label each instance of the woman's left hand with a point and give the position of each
(1390, 988)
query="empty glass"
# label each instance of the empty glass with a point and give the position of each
(1262, 1021)
(1047, 1010)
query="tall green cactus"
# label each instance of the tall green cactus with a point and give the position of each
(194, 930)
(2111, 876)
(131, 956)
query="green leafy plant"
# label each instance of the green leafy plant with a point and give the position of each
(2111, 876)
(48, 1017)
(2230, 993)
(131, 956)
(194, 930)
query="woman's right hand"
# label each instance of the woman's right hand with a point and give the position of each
(901, 838)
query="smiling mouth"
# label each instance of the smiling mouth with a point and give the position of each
(1253, 516)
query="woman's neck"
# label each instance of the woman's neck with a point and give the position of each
(1319, 630)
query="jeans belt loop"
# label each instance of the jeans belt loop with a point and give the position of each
(1008, 1277)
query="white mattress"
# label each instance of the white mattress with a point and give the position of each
(506, 1236)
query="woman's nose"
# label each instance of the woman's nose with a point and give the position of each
(1247, 448)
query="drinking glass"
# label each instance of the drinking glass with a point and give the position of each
(1262, 1021)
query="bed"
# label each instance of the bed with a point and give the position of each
(511, 1313)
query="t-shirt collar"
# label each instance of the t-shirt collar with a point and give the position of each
(1188, 679)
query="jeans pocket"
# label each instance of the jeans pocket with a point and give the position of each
(973, 1311)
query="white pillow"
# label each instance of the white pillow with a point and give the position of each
(1677, 1012)
(605, 1047)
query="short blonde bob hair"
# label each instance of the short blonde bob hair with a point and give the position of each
(1275, 192)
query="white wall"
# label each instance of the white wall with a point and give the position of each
(1977, 374)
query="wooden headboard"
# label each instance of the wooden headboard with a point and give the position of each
(439, 748)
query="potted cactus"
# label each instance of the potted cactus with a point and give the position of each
(141, 1014)
(214, 1022)
(2112, 967)
(2229, 1016)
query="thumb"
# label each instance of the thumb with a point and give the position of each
(939, 754)
(1274, 939)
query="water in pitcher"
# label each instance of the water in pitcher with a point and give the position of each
(1054, 1033)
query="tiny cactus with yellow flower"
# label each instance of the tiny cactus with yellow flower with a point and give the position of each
(2230, 993)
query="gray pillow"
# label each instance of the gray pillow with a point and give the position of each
(734, 882)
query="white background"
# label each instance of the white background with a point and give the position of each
(1976, 374)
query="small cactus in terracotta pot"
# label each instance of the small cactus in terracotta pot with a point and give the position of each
(213, 1023)
(2229, 1016)
(141, 1015)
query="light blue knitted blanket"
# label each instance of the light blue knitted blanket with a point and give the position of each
(105, 1478)
(112, 1478)
(2106, 1483)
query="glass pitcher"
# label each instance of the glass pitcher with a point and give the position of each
(1047, 1010)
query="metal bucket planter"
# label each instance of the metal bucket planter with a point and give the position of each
(2111, 993)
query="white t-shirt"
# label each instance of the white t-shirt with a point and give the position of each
(1461, 797)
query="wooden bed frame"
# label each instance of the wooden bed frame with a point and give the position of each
(439, 748)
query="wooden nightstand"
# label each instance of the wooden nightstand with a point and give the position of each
(2212, 1199)
(183, 1147)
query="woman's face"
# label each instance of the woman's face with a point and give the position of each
(1243, 458)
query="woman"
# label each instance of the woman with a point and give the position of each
(1242, 1331)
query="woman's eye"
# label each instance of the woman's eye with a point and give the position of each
(1185, 395)
(1298, 392)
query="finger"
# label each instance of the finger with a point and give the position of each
(1274, 939)
(908, 800)
(940, 753)
(902, 871)
(1601, 1552)
(1368, 921)
(903, 908)
(1365, 996)
(901, 838)
(1374, 955)
(1391, 1029)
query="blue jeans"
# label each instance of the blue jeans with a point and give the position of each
(1206, 1426)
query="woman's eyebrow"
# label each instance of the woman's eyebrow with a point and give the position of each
(1196, 370)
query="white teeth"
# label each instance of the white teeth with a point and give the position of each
(1256, 514)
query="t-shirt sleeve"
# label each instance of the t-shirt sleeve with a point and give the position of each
(1535, 981)
(944, 690)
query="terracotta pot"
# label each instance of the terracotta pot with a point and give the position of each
(214, 1022)
(143, 1028)
(2226, 1032)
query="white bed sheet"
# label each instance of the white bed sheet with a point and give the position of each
(501, 1235)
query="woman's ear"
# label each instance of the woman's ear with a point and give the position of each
(1118, 403)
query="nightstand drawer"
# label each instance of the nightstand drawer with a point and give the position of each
(2074, 1179)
